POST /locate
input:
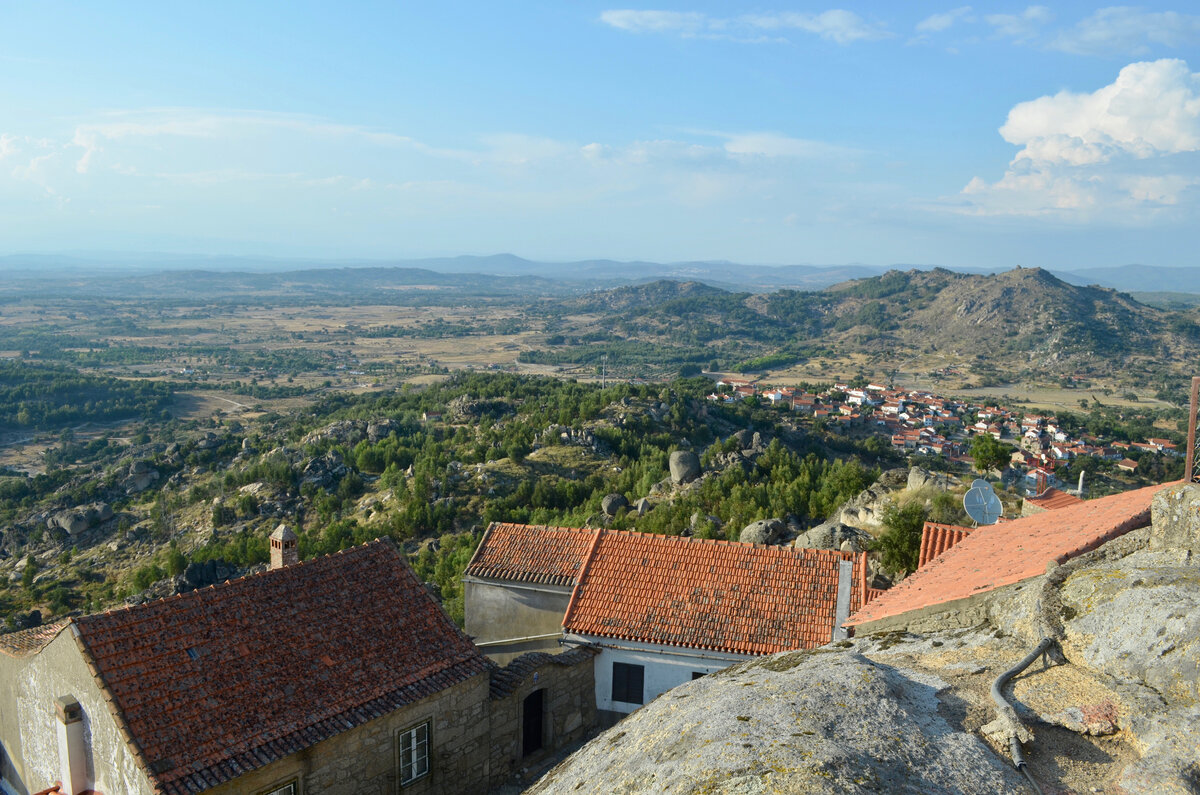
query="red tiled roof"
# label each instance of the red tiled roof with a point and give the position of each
(1002, 554)
(1053, 499)
(223, 680)
(531, 553)
(937, 538)
(30, 641)
(716, 595)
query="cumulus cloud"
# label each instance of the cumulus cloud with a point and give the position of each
(1151, 108)
(1126, 30)
(836, 25)
(935, 23)
(1126, 146)
(1023, 26)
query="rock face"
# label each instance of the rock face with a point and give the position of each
(919, 478)
(768, 726)
(1175, 512)
(325, 470)
(341, 432)
(685, 467)
(833, 535)
(764, 531)
(613, 503)
(863, 509)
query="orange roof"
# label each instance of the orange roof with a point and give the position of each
(716, 595)
(1053, 499)
(223, 680)
(30, 641)
(1002, 554)
(531, 553)
(937, 538)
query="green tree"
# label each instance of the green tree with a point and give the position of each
(900, 543)
(989, 453)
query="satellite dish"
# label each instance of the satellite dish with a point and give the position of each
(982, 504)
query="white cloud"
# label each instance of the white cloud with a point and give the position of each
(1023, 26)
(1124, 149)
(767, 144)
(836, 25)
(1126, 30)
(8, 145)
(654, 21)
(1151, 108)
(935, 23)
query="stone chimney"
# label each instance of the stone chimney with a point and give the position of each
(72, 752)
(283, 548)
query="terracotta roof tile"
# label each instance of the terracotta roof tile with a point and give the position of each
(715, 595)
(937, 538)
(1002, 554)
(224, 680)
(1053, 499)
(531, 553)
(30, 641)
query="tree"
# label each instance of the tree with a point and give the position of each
(989, 453)
(901, 541)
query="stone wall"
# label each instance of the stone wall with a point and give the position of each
(568, 704)
(364, 760)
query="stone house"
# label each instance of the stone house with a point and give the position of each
(659, 610)
(338, 675)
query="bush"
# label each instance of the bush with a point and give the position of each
(900, 543)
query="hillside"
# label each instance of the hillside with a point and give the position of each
(1021, 320)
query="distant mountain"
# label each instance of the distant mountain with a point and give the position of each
(1137, 278)
(1023, 319)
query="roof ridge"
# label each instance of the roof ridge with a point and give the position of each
(587, 560)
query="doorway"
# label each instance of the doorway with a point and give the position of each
(531, 723)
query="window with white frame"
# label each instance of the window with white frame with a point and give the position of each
(414, 753)
(287, 789)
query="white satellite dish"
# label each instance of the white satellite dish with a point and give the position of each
(982, 504)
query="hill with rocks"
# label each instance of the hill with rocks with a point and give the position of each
(1020, 320)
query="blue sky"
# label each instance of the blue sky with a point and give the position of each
(1065, 135)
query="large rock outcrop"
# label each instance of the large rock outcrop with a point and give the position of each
(685, 467)
(770, 725)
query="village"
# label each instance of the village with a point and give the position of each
(923, 423)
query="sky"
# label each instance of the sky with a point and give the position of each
(1063, 135)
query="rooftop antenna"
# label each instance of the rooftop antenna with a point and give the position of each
(981, 503)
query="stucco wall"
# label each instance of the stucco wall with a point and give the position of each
(508, 611)
(665, 667)
(28, 726)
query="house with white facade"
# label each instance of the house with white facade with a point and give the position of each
(659, 610)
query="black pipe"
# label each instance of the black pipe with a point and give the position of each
(998, 696)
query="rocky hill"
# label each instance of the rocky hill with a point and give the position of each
(1114, 706)
(1023, 319)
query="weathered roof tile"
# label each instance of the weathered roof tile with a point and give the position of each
(283, 659)
(715, 595)
(1006, 553)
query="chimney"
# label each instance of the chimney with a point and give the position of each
(72, 759)
(283, 548)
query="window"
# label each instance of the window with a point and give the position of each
(627, 682)
(287, 789)
(414, 753)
